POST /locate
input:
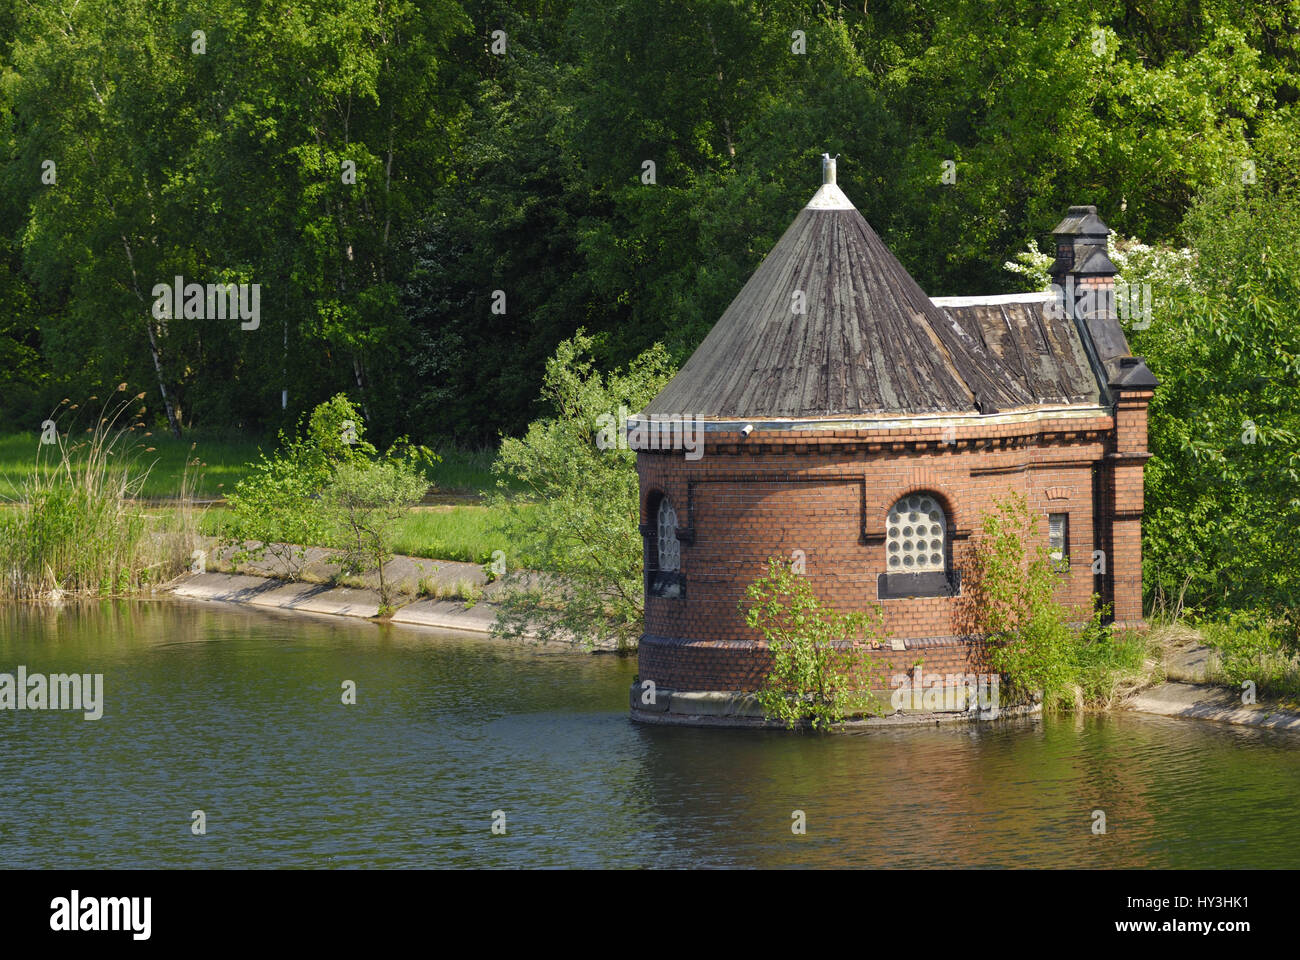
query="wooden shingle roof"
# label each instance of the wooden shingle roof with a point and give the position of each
(1039, 345)
(867, 342)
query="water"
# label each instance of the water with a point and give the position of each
(238, 713)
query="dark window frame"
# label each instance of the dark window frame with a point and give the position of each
(930, 583)
(668, 584)
(1063, 561)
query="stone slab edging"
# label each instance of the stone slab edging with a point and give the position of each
(280, 594)
(721, 708)
(336, 601)
(1221, 704)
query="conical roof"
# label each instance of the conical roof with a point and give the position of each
(868, 341)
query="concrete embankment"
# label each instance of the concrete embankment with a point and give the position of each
(1189, 693)
(462, 597)
(1221, 704)
(337, 601)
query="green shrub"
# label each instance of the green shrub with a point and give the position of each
(277, 506)
(366, 500)
(1035, 642)
(570, 510)
(821, 671)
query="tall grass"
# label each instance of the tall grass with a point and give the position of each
(224, 461)
(74, 526)
(466, 533)
(1254, 650)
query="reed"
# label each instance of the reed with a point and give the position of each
(74, 525)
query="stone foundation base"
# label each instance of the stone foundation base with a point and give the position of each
(731, 709)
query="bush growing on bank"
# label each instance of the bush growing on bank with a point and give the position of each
(815, 681)
(327, 486)
(367, 499)
(570, 509)
(276, 508)
(76, 526)
(1037, 643)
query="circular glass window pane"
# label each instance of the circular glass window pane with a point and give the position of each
(907, 561)
(936, 559)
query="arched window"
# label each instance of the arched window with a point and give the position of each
(663, 548)
(670, 549)
(915, 536)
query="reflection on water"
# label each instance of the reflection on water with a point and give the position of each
(238, 713)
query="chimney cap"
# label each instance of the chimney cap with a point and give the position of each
(828, 167)
(1082, 221)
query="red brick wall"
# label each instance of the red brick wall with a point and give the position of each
(678, 664)
(827, 494)
(1125, 489)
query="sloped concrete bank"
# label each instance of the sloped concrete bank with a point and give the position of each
(1197, 701)
(359, 602)
(1189, 692)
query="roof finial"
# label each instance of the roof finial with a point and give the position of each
(828, 167)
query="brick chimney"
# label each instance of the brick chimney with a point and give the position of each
(1085, 280)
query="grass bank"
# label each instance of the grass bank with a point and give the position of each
(76, 524)
(464, 533)
(222, 462)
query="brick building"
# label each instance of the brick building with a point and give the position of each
(854, 425)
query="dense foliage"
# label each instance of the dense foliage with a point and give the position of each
(1223, 486)
(821, 670)
(213, 139)
(1042, 647)
(568, 502)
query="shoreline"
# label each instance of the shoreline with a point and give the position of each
(1183, 696)
(1205, 702)
(360, 603)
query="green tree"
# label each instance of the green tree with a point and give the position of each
(1223, 484)
(225, 141)
(575, 525)
(368, 499)
(821, 670)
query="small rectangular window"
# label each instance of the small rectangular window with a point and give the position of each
(1058, 537)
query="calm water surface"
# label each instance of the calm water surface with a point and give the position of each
(237, 712)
